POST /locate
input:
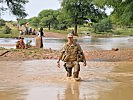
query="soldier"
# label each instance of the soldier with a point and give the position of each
(71, 54)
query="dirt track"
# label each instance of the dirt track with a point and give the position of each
(55, 35)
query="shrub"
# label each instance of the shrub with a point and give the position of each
(104, 25)
(22, 21)
(2, 22)
(60, 27)
(6, 30)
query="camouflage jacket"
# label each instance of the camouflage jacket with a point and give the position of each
(72, 53)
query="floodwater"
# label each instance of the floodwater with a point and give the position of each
(42, 80)
(87, 43)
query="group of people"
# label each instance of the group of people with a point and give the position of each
(27, 31)
(39, 42)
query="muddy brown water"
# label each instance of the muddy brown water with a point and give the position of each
(42, 80)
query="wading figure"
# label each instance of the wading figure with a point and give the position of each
(39, 41)
(71, 54)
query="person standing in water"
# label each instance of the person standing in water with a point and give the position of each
(71, 54)
(39, 41)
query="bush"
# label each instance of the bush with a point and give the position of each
(7, 30)
(22, 21)
(104, 25)
(2, 22)
(117, 32)
(60, 27)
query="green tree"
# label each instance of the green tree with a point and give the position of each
(80, 10)
(48, 18)
(22, 21)
(16, 7)
(63, 21)
(6, 30)
(122, 10)
(2, 22)
(34, 21)
(104, 25)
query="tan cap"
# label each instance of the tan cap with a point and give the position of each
(70, 35)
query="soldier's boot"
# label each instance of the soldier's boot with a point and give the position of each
(75, 74)
(69, 72)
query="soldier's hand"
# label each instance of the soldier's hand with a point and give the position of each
(84, 63)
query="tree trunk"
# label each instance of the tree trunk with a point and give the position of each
(49, 26)
(75, 28)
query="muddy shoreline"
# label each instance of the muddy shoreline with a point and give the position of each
(40, 54)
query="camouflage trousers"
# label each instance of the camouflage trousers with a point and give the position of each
(69, 65)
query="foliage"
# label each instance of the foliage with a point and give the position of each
(2, 22)
(104, 25)
(22, 21)
(48, 18)
(6, 30)
(16, 7)
(34, 21)
(14, 33)
(80, 10)
(63, 21)
(56, 19)
(122, 10)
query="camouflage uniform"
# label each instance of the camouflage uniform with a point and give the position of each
(72, 61)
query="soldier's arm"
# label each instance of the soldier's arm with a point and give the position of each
(62, 51)
(79, 48)
(60, 57)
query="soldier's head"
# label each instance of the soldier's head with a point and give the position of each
(70, 37)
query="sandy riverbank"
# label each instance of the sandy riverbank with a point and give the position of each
(54, 35)
(91, 55)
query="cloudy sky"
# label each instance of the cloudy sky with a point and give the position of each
(34, 7)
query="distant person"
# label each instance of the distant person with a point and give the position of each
(71, 54)
(40, 33)
(21, 32)
(20, 43)
(29, 31)
(26, 31)
(39, 41)
(34, 32)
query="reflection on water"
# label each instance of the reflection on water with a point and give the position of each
(72, 91)
(41, 80)
(86, 43)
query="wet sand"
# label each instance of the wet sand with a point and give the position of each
(42, 80)
(91, 55)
